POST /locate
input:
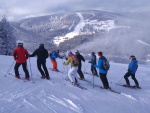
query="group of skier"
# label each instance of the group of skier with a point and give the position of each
(21, 55)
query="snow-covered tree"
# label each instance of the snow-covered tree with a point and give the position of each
(7, 39)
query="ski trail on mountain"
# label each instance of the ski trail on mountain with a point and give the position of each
(76, 31)
(78, 28)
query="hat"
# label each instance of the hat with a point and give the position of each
(57, 51)
(70, 54)
(20, 44)
(41, 44)
(76, 51)
(132, 56)
(92, 53)
(100, 53)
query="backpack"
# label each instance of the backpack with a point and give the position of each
(50, 54)
(105, 65)
(75, 61)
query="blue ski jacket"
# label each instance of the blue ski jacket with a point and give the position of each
(99, 65)
(55, 55)
(133, 66)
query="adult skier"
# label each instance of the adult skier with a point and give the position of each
(80, 58)
(42, 55)
(72, 73)
(53, 57)
(132, 68)
(21, 55)
(102, 71)
(93, 62)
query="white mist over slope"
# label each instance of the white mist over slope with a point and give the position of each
(58, 96)
(132, 38)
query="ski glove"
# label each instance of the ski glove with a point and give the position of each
(128, 70)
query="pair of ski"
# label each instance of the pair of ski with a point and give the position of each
(109, 89)
(89, 82)
(56, 70)
(126, 86)
(23, 79)
(85, 80)
(77, 85)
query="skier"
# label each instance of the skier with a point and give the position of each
(102, 71)
(42, 55)
(80, 58)
(132, 68)
(72, 73)
(93, 62)
(53, 57)
(21, 55)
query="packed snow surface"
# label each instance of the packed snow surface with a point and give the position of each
(59, 96)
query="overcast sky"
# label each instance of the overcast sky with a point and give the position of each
(18, 9)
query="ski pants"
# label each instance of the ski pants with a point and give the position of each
(80, 72)
(93, 69)
(104, 80)
(24, 66)
(128, 74)
(54, 64)
(42, 64)
(72, 73)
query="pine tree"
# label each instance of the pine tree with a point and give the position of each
(7, 39)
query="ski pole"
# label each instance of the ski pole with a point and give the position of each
(86, 67)
(84, 63)
(119, 80)
(30, 70)
(67, 70)
(93, 80)
(10, 68)
(63, 66)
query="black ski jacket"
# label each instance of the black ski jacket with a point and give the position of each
(42, 54)
(93, 59)
(80, 58)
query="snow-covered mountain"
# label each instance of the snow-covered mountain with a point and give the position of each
(60, 27)
(83, 28)
(59, 96)
(117, 35)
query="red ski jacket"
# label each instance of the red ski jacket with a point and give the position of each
(20, 54)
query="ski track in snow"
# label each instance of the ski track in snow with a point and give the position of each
(129, 96)
(73, 106)
(142, 42)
